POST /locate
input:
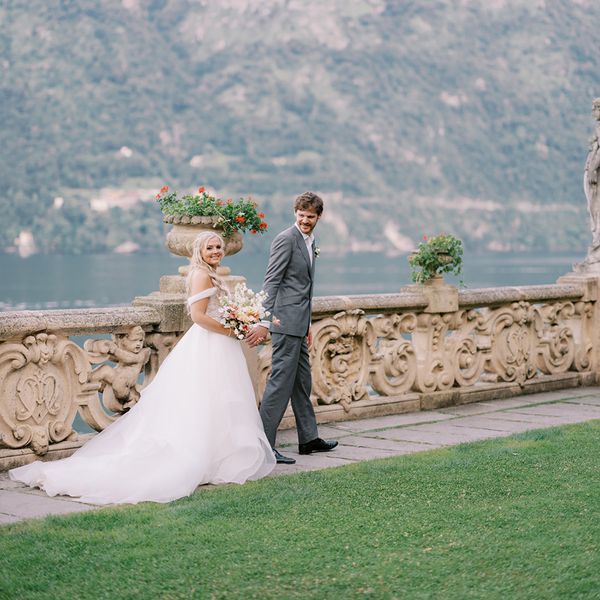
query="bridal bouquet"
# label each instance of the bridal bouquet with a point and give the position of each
(242, 310)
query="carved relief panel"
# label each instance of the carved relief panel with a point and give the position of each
(341, 353)
(42, 381)
(117, 383)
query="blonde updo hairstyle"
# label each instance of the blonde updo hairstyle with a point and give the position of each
(197, 263)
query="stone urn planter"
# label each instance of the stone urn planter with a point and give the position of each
(191, 214)
(185, 229)
(180, 240)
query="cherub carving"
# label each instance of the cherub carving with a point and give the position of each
(119, 383)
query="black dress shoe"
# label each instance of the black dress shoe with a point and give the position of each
(283, 460)
(317, 445)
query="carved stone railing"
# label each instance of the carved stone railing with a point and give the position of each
(433, 346)
(427, 347)
(47, 378)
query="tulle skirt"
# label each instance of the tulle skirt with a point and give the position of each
(195, 423)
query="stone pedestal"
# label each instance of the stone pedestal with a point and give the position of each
(171, 308)
(589, 278)
(170, 303)
(441, 296)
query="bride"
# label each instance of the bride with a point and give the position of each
(195, 423)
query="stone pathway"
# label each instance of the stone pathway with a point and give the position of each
(379, 437)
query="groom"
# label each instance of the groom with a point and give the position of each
(289, 285)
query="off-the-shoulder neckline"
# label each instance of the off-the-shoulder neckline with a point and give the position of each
(203, 294)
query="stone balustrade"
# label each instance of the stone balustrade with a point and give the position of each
(428, 346)
(433, 346)
(47, 378)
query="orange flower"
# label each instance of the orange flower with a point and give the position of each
(164, 188)
(263, 225)
(253, 231)
(219, 202)
(229, 201)
(424, 238)
(240, 219)
(200, 189)
(261, 215)
(158, 196)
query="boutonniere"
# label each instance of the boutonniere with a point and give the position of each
(317, 251)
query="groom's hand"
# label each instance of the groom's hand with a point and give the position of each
(256, 336)
(309, 338)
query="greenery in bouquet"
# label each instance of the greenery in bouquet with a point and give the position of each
(239, 215)
(436, 255)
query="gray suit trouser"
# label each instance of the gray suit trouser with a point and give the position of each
(290, 379)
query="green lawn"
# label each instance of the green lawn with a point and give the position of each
(509, 519)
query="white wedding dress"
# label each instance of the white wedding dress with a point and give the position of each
(195, 423)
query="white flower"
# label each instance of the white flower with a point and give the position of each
(242, 309)
(317, 251)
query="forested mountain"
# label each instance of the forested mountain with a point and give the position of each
(409, 117)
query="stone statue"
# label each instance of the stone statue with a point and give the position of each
(591, 176)
(119, 384)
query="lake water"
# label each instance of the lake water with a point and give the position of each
(45, 282)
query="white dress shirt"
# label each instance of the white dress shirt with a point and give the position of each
(308, 240)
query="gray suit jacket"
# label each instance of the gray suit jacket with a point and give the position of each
(289, 283)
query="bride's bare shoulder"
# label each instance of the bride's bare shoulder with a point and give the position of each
(200, 281)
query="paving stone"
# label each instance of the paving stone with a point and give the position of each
(475, 434)
(462, 434)
(448, 426)
(563, 411)
(585, 410)
(5, 519)
(358, 453)
(393, 421)
(578, 392)
(560, 395)
(373, 442)
(498, 425)
(477, 408)
(429, 439)
(587, 400)
(26, 506)
(539, 420)
(8, 484)
(510, 402)
(475, 421)
(310, 462)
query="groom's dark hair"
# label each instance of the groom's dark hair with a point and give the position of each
(309, 200)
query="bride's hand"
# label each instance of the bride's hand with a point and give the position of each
(256, 336)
